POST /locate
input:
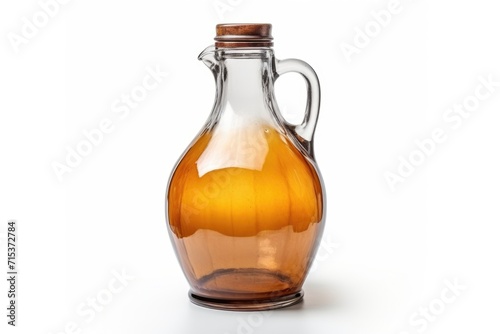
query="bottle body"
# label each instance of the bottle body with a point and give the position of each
(246, 234)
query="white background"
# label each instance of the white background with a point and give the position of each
(394, 250)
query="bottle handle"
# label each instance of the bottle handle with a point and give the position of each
(305, 130)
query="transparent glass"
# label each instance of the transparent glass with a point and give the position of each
(245, 203)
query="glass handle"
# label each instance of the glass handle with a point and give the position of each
(305, 130)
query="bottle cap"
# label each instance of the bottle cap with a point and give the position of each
(238, 35)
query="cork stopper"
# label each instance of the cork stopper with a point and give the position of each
(241, 35)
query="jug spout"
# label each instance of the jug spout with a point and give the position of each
(207, 56)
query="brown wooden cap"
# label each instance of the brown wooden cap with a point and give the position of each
(240, 35)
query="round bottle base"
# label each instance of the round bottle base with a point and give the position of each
(247, 305)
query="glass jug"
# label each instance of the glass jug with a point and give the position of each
(245, 204)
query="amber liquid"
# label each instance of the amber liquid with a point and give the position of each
(243, 233)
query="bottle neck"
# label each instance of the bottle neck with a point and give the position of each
(243, 116)
(245, 87)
